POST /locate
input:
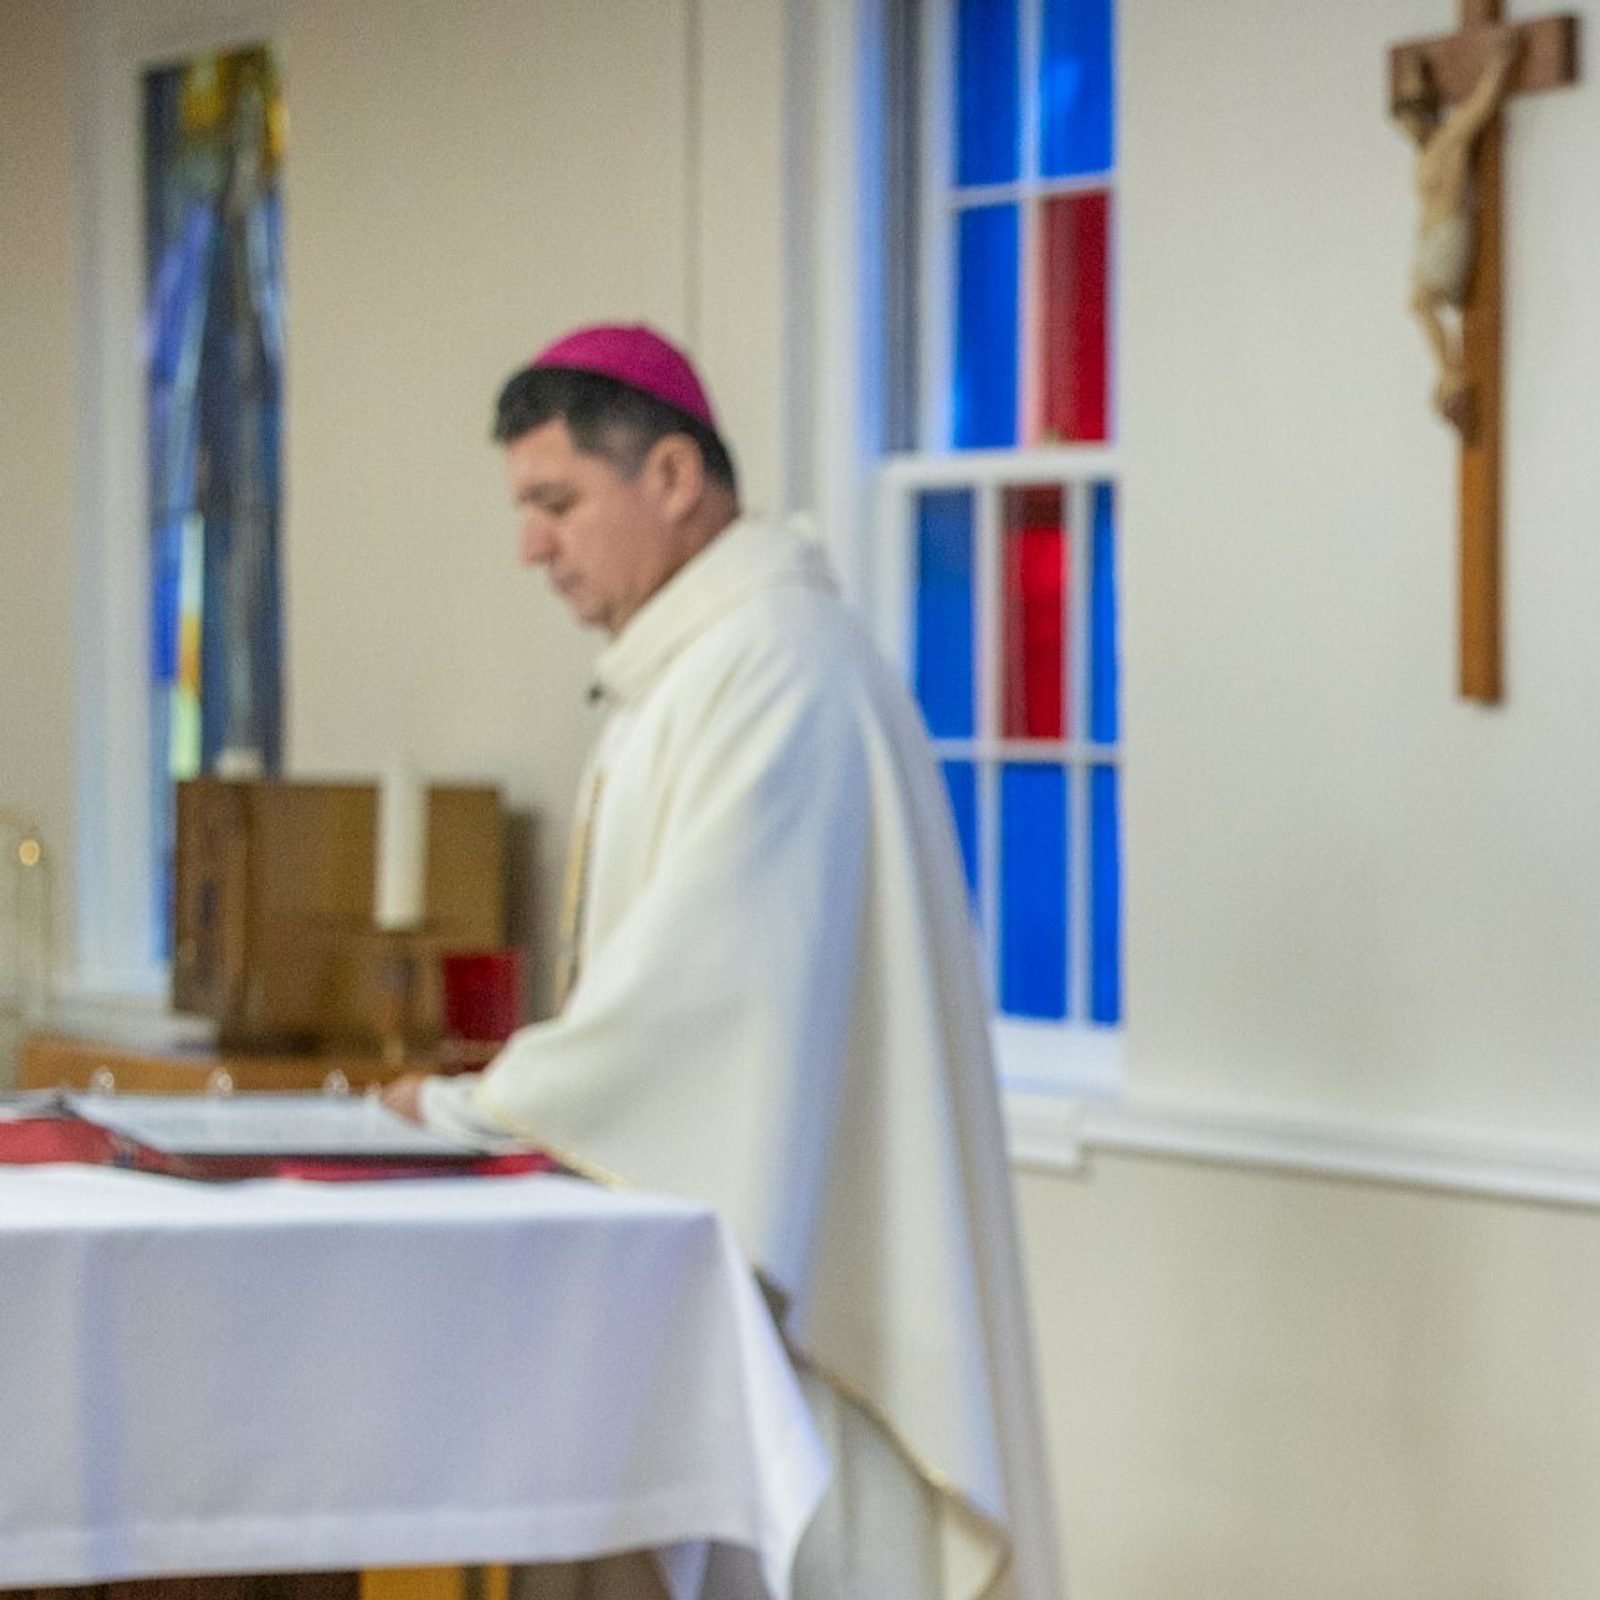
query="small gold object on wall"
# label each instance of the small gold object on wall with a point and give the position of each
(26, 957)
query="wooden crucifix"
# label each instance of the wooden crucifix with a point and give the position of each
(1446, 93)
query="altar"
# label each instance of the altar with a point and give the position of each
(296, 1377)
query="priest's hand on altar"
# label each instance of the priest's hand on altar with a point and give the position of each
(403, 1096)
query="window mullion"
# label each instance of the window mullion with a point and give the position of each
(965, 197)
(988, 781)
(938, 282)
(1057, 752)
(989, 680)
(1028, 320)
(961, 468)
(1078, 500)
(990, 635)
(895, 570)
(1029, 42)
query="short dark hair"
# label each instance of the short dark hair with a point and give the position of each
(605, 417)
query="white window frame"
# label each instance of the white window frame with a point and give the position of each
(120, 40)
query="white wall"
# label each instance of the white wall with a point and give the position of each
(38, 260)
(1260, 1387)
(445, 216)
(1350, 893)
(509, 171)
(1348, 888)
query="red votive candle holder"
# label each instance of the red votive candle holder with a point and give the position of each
(482, 995)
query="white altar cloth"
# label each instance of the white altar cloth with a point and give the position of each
(284, 1376)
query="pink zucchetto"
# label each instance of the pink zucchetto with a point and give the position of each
(637, 356)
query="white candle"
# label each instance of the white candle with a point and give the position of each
(402, 849)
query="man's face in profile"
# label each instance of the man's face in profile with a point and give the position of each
(596, 533)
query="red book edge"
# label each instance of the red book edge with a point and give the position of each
(35, 1141)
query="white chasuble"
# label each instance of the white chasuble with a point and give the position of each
(778, 1011)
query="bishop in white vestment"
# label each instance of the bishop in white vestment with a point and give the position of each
(776, 1008)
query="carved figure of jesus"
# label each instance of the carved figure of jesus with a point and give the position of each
(1441, 270)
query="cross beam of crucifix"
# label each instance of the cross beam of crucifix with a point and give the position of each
(1458, 266)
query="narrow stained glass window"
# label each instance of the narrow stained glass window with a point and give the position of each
(1033, 891)
(1104, 718)
(1075, 240)
(985, 390)
(1034, 600)
(961, 779)
(1016, 645)
(1076, 88)
(213, 150)
(1105, 897)
(945, 612)
(988, 119)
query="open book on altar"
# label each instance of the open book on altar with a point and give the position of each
(244, 1136)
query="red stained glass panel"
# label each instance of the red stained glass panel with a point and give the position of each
(1034, 606)
(1074, 319)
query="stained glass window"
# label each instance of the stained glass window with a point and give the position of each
(988, 92)
(1072, 316)
(1034, 818)
(946, 615)
(214, 130)
(1077, 81)
(1030, 195)
(1011, 507)
(1033, 627)
(984, 397)
(1104, 722)
(1105, 896)
(1018, 674)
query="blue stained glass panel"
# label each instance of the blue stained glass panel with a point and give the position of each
(985, 388)
(1105, 897)
(944, 621)
(166, 568)
(1033, 891)
(961, 780)
(1104, 718)
(988, 97)
(1077, 85)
